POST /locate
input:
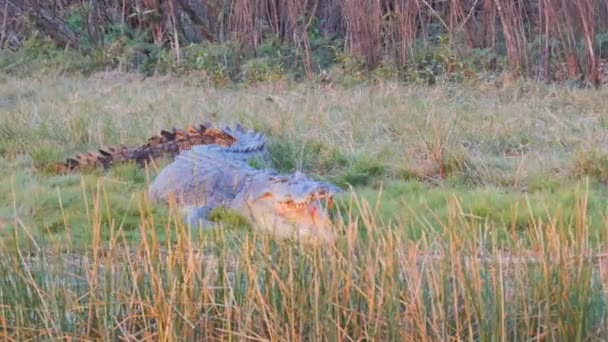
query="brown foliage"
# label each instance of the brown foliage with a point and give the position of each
(374, 30)
(363, 34)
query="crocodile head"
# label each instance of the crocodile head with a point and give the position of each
(289, 206)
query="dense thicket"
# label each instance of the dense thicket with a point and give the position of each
(534, 38)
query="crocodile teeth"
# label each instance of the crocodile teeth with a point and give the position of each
(317, 196)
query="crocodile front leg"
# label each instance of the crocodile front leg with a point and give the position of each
(198, 217)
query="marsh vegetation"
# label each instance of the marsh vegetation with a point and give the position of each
(474, 211)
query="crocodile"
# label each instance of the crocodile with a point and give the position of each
(210, 176)
(165, 144)
(212, 168)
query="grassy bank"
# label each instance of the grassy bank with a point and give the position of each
(477, 212)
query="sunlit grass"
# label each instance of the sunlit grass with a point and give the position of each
(457, 280)
(471, 213)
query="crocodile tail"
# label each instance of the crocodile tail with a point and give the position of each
(164, 144)
(103, 158)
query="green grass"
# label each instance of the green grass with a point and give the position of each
(473, 212)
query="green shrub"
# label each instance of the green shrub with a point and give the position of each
(602, 44)
(218, 62)
(41, 54)
(348, 69)
(261, 70)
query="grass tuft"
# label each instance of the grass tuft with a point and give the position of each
(594, 164)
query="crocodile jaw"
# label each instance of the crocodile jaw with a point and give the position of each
(300, 218)
(308, 219)
(309, 222)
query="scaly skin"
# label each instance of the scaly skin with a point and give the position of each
(167, 144)
(211, 176)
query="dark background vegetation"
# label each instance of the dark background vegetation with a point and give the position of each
(337, 40)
